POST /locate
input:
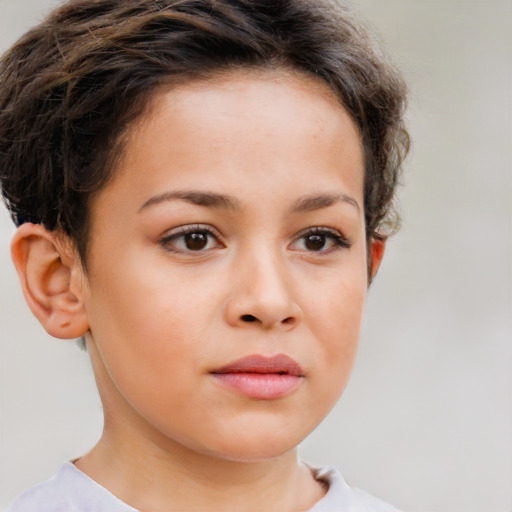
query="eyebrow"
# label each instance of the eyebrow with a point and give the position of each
(317, 201)
(200, 198)
(213, 200)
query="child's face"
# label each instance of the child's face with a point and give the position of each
(234, 228)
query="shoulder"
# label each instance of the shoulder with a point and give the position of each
(341, 497)
(44, 497)
(69, 490)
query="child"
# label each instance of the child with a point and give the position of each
(203, 190)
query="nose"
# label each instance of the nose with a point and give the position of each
(263, 295)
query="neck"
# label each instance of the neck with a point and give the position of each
(153, 477)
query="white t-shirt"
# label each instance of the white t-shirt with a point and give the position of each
(70, 490)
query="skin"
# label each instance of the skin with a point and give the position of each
(159, 317)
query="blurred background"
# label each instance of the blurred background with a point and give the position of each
(426, 422)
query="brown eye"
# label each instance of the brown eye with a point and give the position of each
(314, 242)
(319, 240)
(196, 241)
(191, 239)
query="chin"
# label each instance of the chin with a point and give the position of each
(254, 446)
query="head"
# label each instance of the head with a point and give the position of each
(240, 130)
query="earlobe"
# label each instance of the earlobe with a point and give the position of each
(48, 271)
(375, 254)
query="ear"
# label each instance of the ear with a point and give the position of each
(376, 247)
(52, 280)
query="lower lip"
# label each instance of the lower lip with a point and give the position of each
(259, 386)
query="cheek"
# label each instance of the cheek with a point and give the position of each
(156, 319)
(334, 314)
(145, 354)
(336, 299)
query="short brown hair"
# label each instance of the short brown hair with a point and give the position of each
(72, 85)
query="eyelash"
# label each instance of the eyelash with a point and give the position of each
(167, 241)
(183, 231)
(335, 236)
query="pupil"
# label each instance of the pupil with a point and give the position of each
(196, 241)
(315, 242)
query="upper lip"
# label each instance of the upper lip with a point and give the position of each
(278, 364)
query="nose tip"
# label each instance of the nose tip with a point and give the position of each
(263, 293)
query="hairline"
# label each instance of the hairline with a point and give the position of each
(148, 103)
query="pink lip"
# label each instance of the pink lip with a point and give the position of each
(261, 378)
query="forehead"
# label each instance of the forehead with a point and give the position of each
(242, 82)
(219, 131)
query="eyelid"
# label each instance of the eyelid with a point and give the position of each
(334, 234)
(185, 229)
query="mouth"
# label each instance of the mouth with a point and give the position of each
(261, 378)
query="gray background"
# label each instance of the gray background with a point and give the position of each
(426, 420)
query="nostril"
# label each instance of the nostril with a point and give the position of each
(288, 320)
(249, 318)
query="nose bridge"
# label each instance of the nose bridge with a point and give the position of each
(264, 289)
(269, 275)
